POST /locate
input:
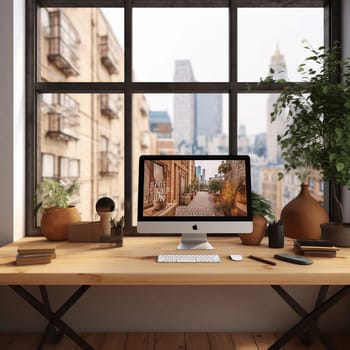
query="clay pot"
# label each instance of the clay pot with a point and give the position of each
(55, 222)
(259, 230)
(303, 215)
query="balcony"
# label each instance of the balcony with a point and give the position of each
(109, 55)
(62, 127)
(110, 106)
(145, 139)
(109, 163)
(63, 44)
(144, 106)
(64, 118)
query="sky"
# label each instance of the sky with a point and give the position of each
(210, 166)
(201, 35)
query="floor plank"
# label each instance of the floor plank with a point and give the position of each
(264, 340)
(220, 341)
(139, 341)
(197, 341)
(114, 341)
(23, 341)
(171, 341)
(243, 341)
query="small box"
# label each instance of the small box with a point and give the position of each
(88, 232)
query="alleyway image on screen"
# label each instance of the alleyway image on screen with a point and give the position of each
(195, 188)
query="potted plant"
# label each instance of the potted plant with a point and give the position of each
(317, 134)
(262, 215)
(53, 198)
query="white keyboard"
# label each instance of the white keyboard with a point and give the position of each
(188, 258)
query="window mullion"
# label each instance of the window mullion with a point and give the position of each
(128, 152)
(232, 115)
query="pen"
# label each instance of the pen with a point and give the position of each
(261, 260)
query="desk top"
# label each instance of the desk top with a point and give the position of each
(135, 264)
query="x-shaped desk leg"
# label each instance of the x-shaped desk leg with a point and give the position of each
(54, 318)
(308, 319)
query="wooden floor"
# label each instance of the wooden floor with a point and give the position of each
(170, 341)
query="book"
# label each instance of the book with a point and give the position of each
(33, 259)
(36, 250)
(312, 249)
(35, 255)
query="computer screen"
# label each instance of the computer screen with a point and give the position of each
(194, 196)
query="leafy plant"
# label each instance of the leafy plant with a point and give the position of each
(214, 185)
(262, 206)
(317, 134)
(51, 193)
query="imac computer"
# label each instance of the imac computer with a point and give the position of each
(194, 196)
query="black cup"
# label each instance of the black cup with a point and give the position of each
(276, 235)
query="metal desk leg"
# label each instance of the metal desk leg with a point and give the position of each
(306, 337)
(50, 333)
(310, 318)
(54, 318)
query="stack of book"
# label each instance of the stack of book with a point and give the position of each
(35, 255)
(315, 247)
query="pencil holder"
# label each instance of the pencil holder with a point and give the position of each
(116, 236)
(276, 235)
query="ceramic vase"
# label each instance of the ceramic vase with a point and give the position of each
(259, 230)
(55, 222)
(303, 216)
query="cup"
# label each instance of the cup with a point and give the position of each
(276, 235)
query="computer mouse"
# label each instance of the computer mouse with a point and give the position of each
(236, 257)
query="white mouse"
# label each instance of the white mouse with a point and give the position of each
(236, 257)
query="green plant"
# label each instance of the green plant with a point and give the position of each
(317, 134)
(51, 193)
(214, 185)
(262, 206)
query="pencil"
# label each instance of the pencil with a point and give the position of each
(261, 260)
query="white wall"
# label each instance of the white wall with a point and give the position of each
(121, 308)
(12, 128)
(142, 309)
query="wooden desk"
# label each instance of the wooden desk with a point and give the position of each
(135, 264)
(89, 264)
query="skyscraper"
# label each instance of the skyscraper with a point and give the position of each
(197, 117)
(208, 122)
(184, 108)
(279, 69)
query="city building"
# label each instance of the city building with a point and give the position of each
(82, 135)
(279, 71)
(208, 120)
(160, 125)
(198, 118)
(184, 109)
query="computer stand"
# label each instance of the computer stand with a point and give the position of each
(194, 241)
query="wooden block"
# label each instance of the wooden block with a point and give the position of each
(85, 232)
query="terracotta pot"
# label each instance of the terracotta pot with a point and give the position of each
(259, 230)
(55, 222)
(303, 216)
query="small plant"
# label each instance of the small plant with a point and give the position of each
(214, 185)
(261, 206)
(51, 193)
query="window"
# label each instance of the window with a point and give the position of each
(107, 84)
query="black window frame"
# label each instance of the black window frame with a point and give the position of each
(34, 87)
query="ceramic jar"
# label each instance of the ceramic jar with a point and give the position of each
(303, 215)
(55, 222)
(259, 230)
